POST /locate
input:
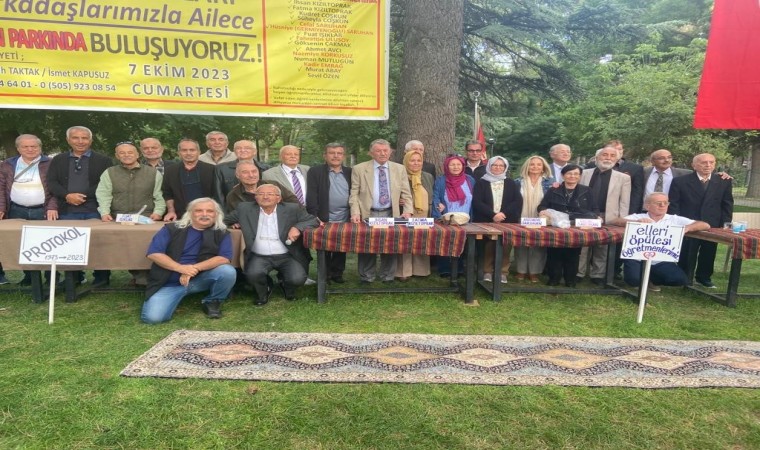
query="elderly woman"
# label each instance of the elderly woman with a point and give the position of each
(421, 184)
(496, 199)
(577, 201)
(535, 180)
(452, 192)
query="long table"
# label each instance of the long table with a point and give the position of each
(441, 240)
(520, 236)
(743, 246)
(112, 246)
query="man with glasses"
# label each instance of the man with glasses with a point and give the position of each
(272, 233)
(474, 155)
(23, 189)
(73, 178)
(662, 272)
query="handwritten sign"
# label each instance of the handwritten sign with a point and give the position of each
(380, 222)
(588, 223)
(533, 222)
(651, 241)
(127, 218)
(420, 222)
(67, 246)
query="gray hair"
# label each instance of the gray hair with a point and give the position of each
(289, 147)
(378, 142)
(186, 219)
(556, 147)
(78, 128)
(197, 145)
(217, 132)
(28, 136)
(335, 145)
(409, 144)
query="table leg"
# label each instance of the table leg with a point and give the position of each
(469, 291)
(497, 260)
(321, 276)
(36, 276)
(610, 273)
(733, 282)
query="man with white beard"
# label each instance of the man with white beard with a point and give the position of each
(612, 192)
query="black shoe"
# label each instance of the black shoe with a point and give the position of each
(570, 284)
(365, 282)
(289, 296)
(706, 283)
(552, 283)
(387, 281)
(338, 279)
(598, 281)
(579, 279)
(213, 309)
(265, 300)
(3, 280)
(101, 282)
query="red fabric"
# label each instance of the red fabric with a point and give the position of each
(744, 245)
(454, 191)
(482, 139)
(729, 93)
(520, 236)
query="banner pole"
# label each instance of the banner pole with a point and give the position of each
(51, 302)
(643, 294)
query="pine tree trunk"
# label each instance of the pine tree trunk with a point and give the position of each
(753, 189)
(429, 86)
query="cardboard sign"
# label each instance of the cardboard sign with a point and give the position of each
(68, 246)
(420, 222)
(533, 222)
(652, 242)
(380, 222)
(127, 218)
(588, 223)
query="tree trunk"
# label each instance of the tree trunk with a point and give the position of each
(753, 188)
(429, 86)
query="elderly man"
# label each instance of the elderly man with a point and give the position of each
(633, 170)
(130, 187)
(152, 154)
(290, 173)
(248, 174)
(378, 188)
(662, 272)
(701, 195)
(612, 192)
(218, 151)
(72, 178)
(474, 155)
(225, 174)
(190, 255)
(24, 193)
(328, 190)
(661, 174)
(272, 232)
(417, 146)
(560, 155)
(186, 181)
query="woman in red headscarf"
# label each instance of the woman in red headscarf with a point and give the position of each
(452, 192)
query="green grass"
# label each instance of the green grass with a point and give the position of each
(60, 388)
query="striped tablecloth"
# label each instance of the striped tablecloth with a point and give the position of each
(743, 245)
(519, 236)
(443, 240)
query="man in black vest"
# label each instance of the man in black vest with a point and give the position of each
(190, 255)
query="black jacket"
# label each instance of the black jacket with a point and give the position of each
(318, 190)
(172, 185)
(581, 205)
(482, 202)
(688, 198)
(58, 176)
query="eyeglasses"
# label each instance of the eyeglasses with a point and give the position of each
(664, 158)
(78, 164)
(659, 203)
(266, 194)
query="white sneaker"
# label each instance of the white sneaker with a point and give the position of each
(310, 282)
(487, 277)
(504, 278)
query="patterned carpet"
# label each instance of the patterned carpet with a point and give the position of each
(413, 358)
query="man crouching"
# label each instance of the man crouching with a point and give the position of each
(190, 255)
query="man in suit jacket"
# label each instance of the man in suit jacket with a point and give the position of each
(662, 166)
(701, 195)
(633, 170)
(329, 186)
(560, 155)
(272, 232)
(186, 181)
(475, 166)
(289, 172)
(415, 145)
(369, 199)
(612, 191)
(225, 173)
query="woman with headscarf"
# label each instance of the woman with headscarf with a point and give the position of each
(452, 192)
(535, 179)
(577, 201)
(496, 199)
(421, 184)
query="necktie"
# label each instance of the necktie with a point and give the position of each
(297, 186)
(658, 184)
(705, 181)
(385, 196)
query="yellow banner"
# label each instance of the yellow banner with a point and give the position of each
(287, 58)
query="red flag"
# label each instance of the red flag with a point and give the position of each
(729, 93)
(478, 132)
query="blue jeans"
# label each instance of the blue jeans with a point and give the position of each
(161, 306)
(664, 273)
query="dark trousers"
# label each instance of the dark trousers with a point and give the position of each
(704, 253)
(336, 263)
(664, 273)
(290, 271)
(562, 262)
